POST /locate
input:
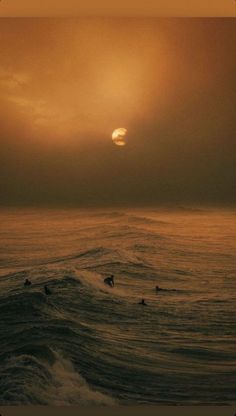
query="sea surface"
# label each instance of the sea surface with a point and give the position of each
(90, 344)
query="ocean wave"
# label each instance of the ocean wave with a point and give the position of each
(90, 344)
(40, 376)
(138, 219)
(70, 388)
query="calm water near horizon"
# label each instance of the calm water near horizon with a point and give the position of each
(88, 343)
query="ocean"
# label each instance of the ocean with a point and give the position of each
(90, 344)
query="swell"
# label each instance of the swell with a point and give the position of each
(99, 341)
(75, 334)
(43, 344)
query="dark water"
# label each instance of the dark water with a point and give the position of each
(87, 343)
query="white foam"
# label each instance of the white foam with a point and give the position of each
(70, 388)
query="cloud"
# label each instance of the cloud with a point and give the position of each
(67, 84)
(12, 80)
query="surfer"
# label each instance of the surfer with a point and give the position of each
(109, 281)
(27, 282)
(47, 291)
(158, 288)
(165, 290)
(142, 302)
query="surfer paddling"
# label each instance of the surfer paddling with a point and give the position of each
(47, 291)
(142, 302)
(158, 289)
(27, 282)
(109, 281)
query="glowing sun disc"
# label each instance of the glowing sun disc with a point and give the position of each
(118, 136)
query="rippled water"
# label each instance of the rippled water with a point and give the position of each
(88, 343)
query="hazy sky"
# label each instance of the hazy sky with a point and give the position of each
(66, 84)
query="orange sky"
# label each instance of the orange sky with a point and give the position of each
(136, 8)
(65, 79)
(68, 83)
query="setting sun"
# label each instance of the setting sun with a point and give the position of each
(118, 136)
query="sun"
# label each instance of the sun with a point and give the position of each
(118, 136)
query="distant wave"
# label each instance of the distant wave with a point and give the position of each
(192, 210)
(144, 220)
(94, 252)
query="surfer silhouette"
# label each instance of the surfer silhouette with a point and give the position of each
(158, 288)
(109, 281)
(27, 282)
(164, 290)
(47, 291)
(142, 302)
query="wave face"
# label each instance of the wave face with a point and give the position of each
(90, 344)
